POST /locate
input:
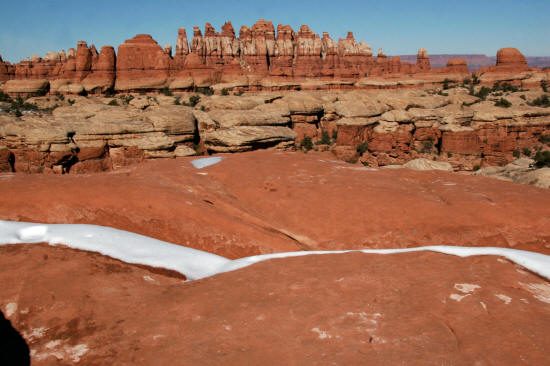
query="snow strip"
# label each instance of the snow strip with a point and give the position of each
(118, 244)
(195, 264)
(204, 162)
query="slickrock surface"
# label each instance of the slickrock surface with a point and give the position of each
(393, 126)
(416, 308)
(268, 201)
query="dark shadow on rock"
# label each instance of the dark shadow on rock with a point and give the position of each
(14, 351)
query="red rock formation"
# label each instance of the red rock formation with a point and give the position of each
(258, 53)
(511, 58)
(141, 64)
(458, 65)
(423, 60)
(102, 76)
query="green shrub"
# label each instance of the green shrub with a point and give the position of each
(113, 102)
(504, 103)
(526, 152)
(446, 84)
(325, 138)
(476, 168)
(544, 85)
(239, 93)
(18, 113)
(466, 81)
(441, 92)
(483, 93)
(59, 96)
(70, 101)
(109, 93)
(544, 139)
(206, 90)
(362, 148)
(166, 91)
(225, 91)
(516, 154)
(335, 134)
(542, 159)
(523, 97)
(306, 143)
(193, 101)
(541, 101)
(4, 97)
(126, 99)
(449, 154)
(177, 101)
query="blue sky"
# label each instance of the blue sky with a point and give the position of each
(399, 26)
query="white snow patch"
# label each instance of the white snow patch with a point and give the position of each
(506, 299)
(11, 308)
(195, 264)
(122, 245)
(541, 291)
(466, 288)
(204, 162)
(149, 279)
(322, 334)
(457, 297)
(227, 327)
(483, 305)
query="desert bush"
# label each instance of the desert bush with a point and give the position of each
(177, 101)
(483, 93)
(541, 101)
(4, 97)
(165, 91)
(113, 102)
(526, 152)
(325, 138)
(542, 159)
(362, 148)
(476, 168)
(516, 154)
(225, 91)
(544, 85)
(239, 93)
(335, 134)
(70, 101)
(306, 143)
(193, 101)
(206, 90)
(504, 103)
(544, 139)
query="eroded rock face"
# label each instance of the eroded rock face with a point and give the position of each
(211, 209)
(494, 310)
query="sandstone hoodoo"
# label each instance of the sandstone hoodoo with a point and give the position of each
(260, 58)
